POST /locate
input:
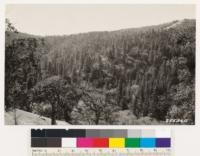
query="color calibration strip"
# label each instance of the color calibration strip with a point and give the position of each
(95, 138)
(100, 142)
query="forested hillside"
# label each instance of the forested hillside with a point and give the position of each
(130, 76)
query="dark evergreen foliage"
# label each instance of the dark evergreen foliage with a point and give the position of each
(149, 71)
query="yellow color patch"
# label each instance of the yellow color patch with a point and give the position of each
(116, 142)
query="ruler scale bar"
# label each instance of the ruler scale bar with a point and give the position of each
(96, 152)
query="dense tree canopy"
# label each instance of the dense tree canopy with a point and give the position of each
(149, 71)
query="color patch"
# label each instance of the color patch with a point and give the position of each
(84, 142)
(68, 142)
(163, 142)
(74, 133)
(163, 133)
(132, 142)
(101, 142)
(147, 142)
(110, 133)
(116, 142)
(119, 133)
(38, 142)
(92, 133)
(53, 142)
(38, 133)
(54, 133)
(106, 133)
(134, 133)
(148, 133)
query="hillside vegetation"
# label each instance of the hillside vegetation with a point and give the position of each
(130, 76)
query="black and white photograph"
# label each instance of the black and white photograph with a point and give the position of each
(100, 64)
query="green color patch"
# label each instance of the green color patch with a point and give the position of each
(132, 142)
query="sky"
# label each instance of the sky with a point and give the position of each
(65, 19)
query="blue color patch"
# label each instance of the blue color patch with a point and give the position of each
(147, 142)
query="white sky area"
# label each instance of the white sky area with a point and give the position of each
(60, 19)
